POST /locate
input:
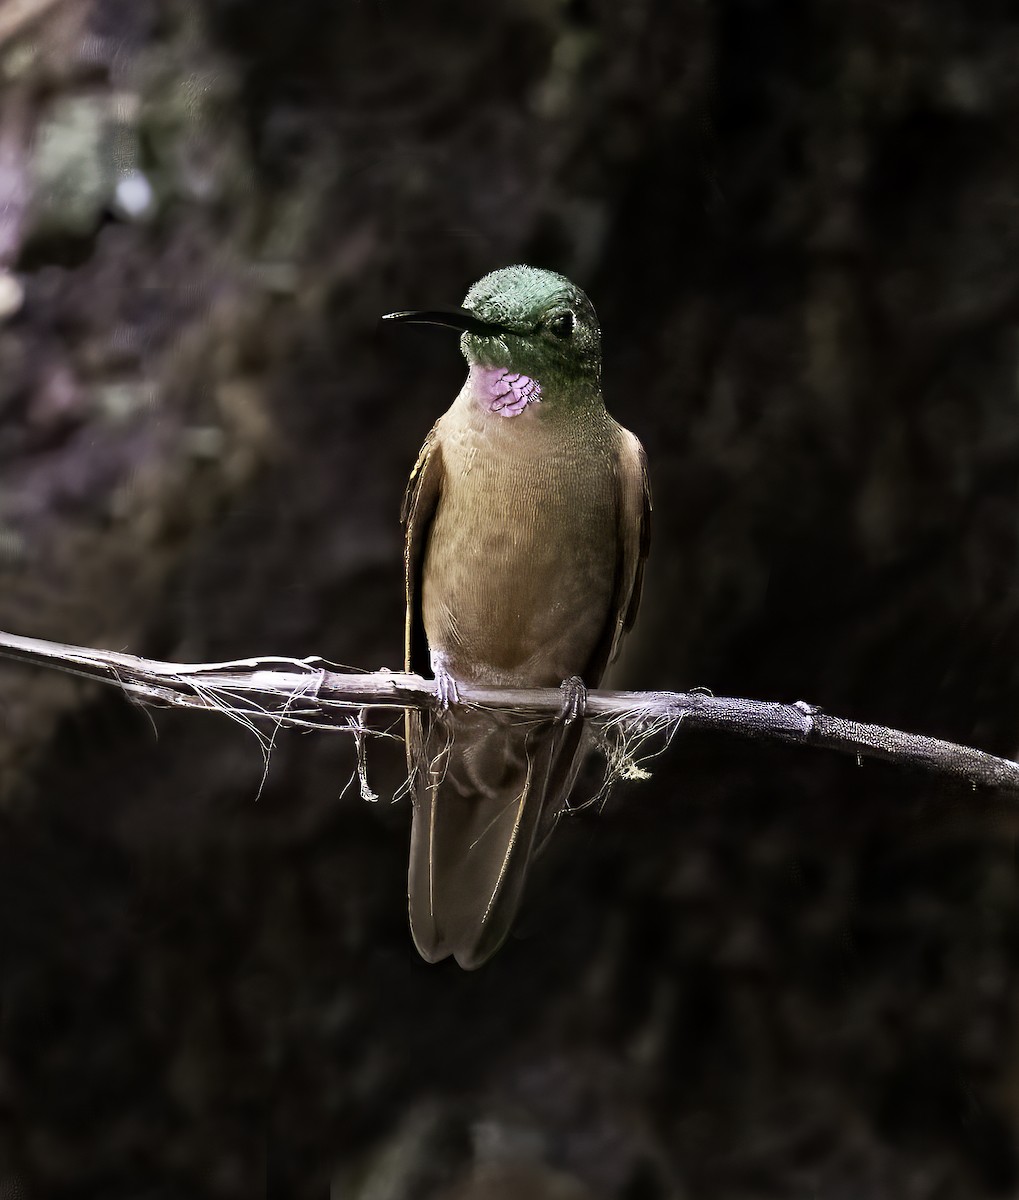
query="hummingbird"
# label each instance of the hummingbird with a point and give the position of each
(526, 520)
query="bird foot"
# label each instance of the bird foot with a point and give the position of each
(574, 699)
(445, 685)
(445, 689)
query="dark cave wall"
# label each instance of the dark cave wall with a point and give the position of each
(760, 972)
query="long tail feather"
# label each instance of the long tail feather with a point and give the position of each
(487, 787)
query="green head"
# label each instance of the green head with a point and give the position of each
(541, 324)
(526, 320)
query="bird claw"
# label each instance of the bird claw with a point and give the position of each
(574, 699)
(445, 689)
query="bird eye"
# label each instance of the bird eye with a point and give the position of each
(562, 325)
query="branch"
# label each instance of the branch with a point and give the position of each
(305, 693)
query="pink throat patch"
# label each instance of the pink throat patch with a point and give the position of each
(504, 391)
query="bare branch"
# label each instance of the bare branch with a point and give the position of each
(306, 694)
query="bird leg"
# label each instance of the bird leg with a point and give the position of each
(574, 699)
(445, 684)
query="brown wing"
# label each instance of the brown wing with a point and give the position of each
(635, 523)
(419, 504)
(633, 532)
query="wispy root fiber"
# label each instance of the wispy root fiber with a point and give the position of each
(630, 742)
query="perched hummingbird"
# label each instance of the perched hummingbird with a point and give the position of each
(527, 522)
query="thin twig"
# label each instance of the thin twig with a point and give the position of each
(304, 693)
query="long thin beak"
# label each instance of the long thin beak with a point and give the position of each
(453, 318)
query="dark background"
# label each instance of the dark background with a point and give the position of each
(762, 973)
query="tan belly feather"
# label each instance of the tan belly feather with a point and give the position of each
(520, 567)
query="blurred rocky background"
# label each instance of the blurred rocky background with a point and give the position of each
(762, 973)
